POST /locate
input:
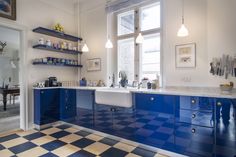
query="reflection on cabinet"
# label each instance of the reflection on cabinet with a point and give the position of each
(46, 106)
(67, 104)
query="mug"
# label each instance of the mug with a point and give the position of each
(48, 43)
(41, 41)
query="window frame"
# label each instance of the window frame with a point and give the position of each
(137, 30)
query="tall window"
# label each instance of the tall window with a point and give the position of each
(143, 60)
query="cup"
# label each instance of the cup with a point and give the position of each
(41, 41)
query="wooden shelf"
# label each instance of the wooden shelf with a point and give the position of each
(56, 34)
(66, 65)
(47, 48)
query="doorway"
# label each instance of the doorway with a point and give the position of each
(13, 77)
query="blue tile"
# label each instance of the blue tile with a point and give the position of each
(9, 137)
(60, 134)
(34, 136)
(143, 152)
(1, 147)
(150, 127)
(114, 152)
(82, 143)
(143, 120)
(124, 123)
(49, 155)
(65, 126)
(108, 141)
(129, 130)
(160, 136)
(22, 147)
(53, 145)
(82, 153)
(83, 133)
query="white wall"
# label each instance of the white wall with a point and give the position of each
(211, 25)
(35, 13)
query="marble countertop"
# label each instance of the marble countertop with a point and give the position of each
(183, 91)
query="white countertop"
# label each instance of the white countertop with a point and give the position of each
(183, 91)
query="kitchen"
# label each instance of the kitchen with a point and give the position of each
(182, 111)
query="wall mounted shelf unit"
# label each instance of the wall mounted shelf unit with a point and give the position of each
(47, 48)
(56, 34)
(51, 64)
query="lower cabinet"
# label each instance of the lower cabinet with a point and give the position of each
(67, 104)
(46, 106)
(85, 108)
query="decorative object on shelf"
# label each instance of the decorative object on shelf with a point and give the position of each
(49, 43)
(227, 88)
(224, 66)
(183, 31)
(8, 9)
(57, 34)
(185, 55)
(58, 27)
(2, 46)
(94, 64)
(83, 82)
(56, 61)
(56, 48)
(41, 41)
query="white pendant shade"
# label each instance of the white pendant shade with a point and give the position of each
(109, 44)
(139, 39)
(85, 48)
(183, 31)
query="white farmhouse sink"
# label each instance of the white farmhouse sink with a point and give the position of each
(114, 97)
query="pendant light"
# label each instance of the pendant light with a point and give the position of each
(183, 31)
(109, 44)
(139, 39)
(85, 48)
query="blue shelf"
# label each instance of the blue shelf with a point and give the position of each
(57, 34)
(66, 65)
(45, 47)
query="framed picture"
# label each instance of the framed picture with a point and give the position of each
(185, 56)
(94, 64)
(8, 9)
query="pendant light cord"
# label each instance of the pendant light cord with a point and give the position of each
(182, 11)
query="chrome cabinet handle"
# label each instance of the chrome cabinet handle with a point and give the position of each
(193, 101)
(42, 92)
(219, 103)
(193, 115)
(152, 99)
(193, 130)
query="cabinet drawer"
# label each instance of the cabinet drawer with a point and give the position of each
(194, 140)
(202, 118)
(196, 103)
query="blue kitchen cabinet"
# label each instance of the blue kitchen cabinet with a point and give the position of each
(155, 120)
(194, 126)
(67, 104)
(85, 108)
(225, 127)
(46, 106)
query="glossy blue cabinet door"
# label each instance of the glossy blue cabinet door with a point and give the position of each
(46, 106)
(226, 127)
(85, 105)
(67, 104)
(155, 120)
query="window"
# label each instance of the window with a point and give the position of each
(139, 61)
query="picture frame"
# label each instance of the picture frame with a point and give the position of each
(8, 9)
(185, 55)
(94, 64)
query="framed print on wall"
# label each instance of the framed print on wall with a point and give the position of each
(94, 64)
(185, 55)
(8, 9)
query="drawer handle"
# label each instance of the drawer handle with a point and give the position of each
(193, 101)
(193, 130)
(42, 92)
(219, 103)
(193, 115)
(151, 98)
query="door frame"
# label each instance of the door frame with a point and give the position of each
(23, 73)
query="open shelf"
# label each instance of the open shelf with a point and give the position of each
(57, 34)
(45, 47)
(50, 64)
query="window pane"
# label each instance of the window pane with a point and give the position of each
(126, 23)
(150, 17)
(150, 61)
(126, 57)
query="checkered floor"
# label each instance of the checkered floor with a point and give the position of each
(64, 140)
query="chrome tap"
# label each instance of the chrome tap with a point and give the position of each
(113, 81)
